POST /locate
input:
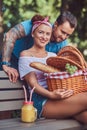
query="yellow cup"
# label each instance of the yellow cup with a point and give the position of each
(28, 112)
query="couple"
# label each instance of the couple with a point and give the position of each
(19, 38)
(58, 104)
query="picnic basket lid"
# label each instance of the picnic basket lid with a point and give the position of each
(60, 62)
(74, 54)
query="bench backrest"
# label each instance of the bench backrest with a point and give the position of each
(11, 94)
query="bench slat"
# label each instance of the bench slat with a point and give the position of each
(3, 74)
(11, 105)
(11, 94)
(40, 125)
(7, 84)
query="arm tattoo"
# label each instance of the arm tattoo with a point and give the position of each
(9, 40)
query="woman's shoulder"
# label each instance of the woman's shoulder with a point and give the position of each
(24, 53)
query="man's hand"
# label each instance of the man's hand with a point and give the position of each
(11, 72)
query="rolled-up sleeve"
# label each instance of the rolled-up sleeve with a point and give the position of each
(27, 25)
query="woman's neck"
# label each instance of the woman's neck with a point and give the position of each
(38, 52)
(38, 49)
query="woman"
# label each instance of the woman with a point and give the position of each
(58, 104)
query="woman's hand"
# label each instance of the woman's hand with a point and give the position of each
(60, 94)
(11, 72)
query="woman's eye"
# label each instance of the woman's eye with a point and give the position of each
(40, 32)
(48, 34)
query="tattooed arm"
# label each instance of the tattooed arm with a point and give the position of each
(8, 44)
(10, 38)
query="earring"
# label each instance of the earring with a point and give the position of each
(32, 35)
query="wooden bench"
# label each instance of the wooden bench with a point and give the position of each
(12, 97)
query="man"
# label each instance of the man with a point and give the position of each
(19, 38)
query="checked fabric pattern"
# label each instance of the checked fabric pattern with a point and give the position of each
(64, 75)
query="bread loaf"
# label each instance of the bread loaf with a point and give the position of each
(43, 67)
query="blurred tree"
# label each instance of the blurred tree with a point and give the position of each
(17, 11)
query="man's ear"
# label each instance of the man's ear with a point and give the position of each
(55, 24)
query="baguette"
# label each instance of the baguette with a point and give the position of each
(43, 67)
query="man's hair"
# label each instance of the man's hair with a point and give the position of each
(67, 16)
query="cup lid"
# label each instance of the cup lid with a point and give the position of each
(28, 102)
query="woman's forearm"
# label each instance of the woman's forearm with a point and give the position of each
(32, 81)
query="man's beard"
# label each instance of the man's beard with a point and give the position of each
(55, 39)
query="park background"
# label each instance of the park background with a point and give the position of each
(13, 12)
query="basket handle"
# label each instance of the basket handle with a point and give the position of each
(76, 52)
(81, 56)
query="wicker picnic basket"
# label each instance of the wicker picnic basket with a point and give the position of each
(63, 79)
